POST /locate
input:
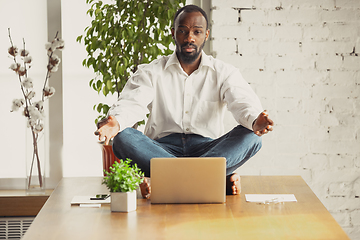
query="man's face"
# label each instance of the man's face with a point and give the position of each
(190, 34)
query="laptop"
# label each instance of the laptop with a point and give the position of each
(188, 180)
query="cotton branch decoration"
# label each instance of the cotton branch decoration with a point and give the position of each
(33, 110)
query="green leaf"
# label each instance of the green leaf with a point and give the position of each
(78, 39)
(125, 61)
(105, 91)
(90, 62)
(99, 107)
(98, 85)
(106, 109)
(109, 84)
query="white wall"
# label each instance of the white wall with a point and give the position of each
(302, 59)
(82, 153)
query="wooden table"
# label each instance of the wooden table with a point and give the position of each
(237, 219)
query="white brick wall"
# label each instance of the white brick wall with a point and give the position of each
(303, 60)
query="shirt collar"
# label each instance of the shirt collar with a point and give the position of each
(205, 61)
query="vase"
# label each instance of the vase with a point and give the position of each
(123, 201)
(108, 156)
(35, 162)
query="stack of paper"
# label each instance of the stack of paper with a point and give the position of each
(268, 198)
(85, 201)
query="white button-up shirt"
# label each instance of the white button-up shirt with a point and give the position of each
(182, 103)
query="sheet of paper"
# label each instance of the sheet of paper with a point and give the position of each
(89, 205)
(261, 198)
(86, 200)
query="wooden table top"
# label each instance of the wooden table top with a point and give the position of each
(236, 219)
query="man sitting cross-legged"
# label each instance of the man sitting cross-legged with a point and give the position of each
(186, 94)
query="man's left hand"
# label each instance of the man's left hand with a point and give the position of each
(263, 124)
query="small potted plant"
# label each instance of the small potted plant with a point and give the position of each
(122, 180)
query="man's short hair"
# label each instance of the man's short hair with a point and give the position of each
(192, 8)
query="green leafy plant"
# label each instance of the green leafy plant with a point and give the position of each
(123, 177)
(123, 35)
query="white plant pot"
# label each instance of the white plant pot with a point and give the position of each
(123, 201)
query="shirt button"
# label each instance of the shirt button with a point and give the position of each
(188, 129)
(187, 112)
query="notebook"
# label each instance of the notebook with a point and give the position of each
(188, 180)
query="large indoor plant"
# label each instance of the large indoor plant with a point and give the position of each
(122, 35)
(122, 180)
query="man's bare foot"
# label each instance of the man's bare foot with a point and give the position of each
(145, 188)
(233, 186)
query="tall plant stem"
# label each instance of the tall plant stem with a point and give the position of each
(12, 45)
(48, 72)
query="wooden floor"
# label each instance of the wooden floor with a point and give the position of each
(236, 219)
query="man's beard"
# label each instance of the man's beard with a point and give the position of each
(188, 57)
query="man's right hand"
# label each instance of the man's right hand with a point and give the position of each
(107, 128)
